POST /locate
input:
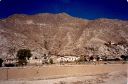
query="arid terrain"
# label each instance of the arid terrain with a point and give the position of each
(62, 34)
(66, 74)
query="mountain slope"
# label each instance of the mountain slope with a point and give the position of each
(62, 34)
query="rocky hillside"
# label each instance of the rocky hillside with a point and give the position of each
(62, 34)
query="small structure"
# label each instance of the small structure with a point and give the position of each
(45, 59)
(98, 58)
(35, 60)
(10, 62)
(39, 60)
(68, 58)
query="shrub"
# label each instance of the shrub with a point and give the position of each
(91, 58)
(51, 61)
(125, 58)
(1, 61)
(9, 65)
(117, 59)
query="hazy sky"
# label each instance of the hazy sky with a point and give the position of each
(88, 9)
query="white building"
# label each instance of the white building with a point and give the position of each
(10, 61)
(67, 58)
(39, 60)
(35, 61)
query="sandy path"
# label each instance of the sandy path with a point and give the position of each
(74, 73)
(108, 78)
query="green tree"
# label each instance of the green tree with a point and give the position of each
(51, 61)
(1, 61)
(23, 55)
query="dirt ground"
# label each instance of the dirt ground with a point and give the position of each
(66, 74)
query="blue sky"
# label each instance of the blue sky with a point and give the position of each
(88, 9)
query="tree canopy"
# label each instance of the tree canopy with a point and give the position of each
(23, 55)
(1, 61)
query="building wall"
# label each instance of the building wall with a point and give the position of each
(10, 61)
(67, 58)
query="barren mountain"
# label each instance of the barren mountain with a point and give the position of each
(62, 34)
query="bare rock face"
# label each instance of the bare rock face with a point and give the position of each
(62, 34)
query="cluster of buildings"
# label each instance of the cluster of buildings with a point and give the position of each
(55, 59)
(41, 60)
(68, 58)
(45, 59)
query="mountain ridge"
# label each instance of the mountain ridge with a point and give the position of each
(62, 34)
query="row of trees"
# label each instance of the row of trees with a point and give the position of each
(24, 54)
(83, 59)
